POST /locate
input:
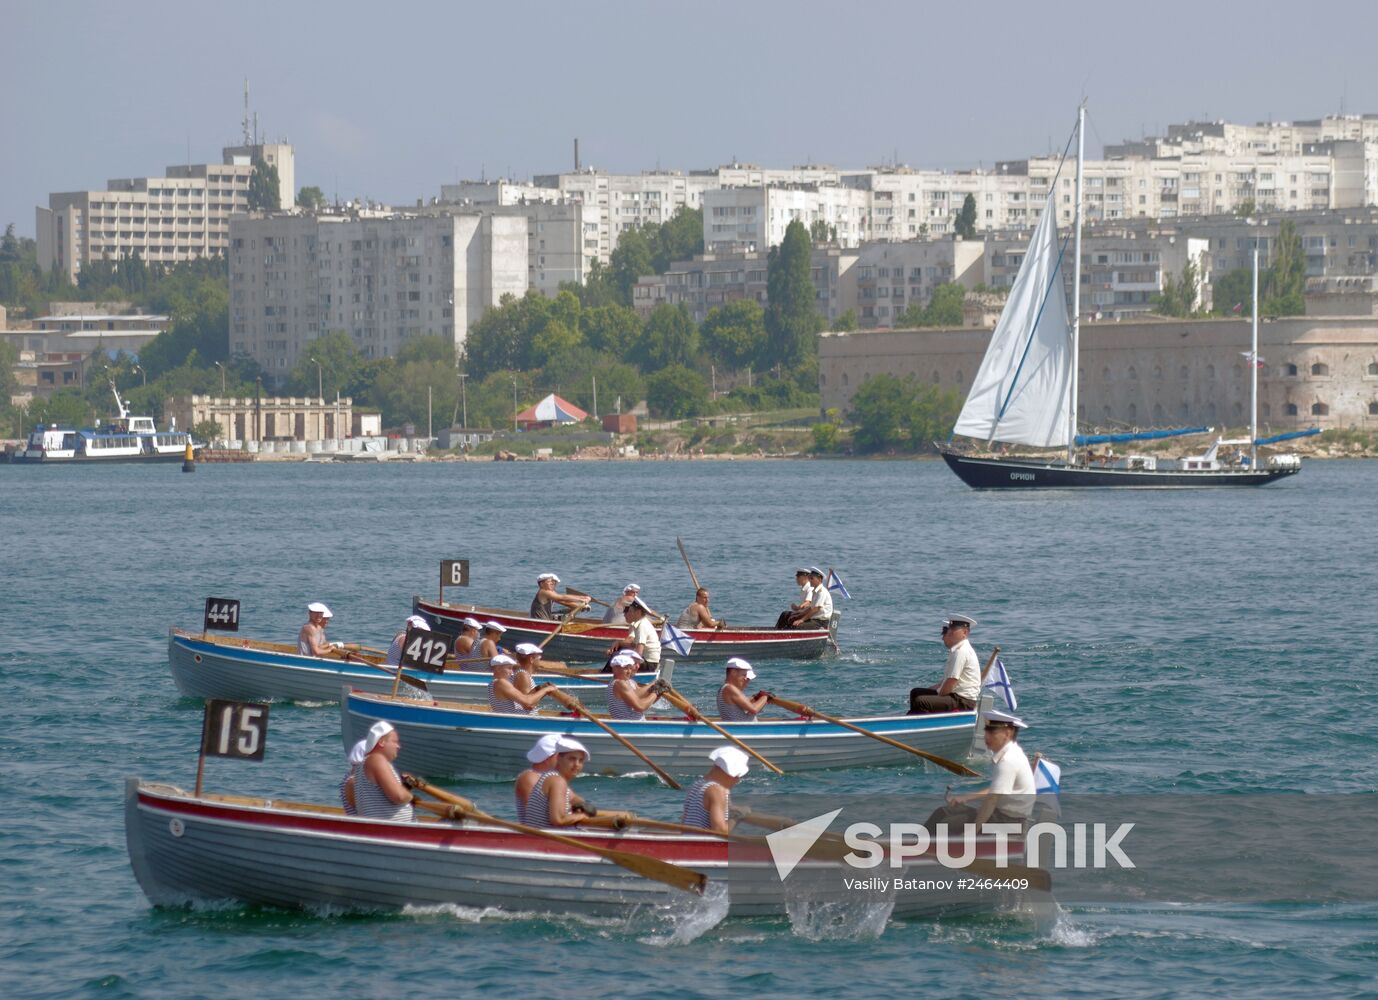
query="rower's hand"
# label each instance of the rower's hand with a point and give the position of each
(770, 695)
(410, 780)
(660, 686)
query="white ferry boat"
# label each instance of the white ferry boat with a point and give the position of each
(124, 439)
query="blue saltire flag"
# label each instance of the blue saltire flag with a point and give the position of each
(836, 585)
(1047, 777)
(676, 640)
(1000, 681)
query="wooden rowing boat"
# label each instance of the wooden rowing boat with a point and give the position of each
(185, 849)
(452, 739)
(215, 666)
(588, 639)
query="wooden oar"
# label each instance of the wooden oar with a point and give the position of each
(395, 673)
(687, 707)
(652, 868)
(580, 593)
(575, 705)
(685, 556)
(566, 620)
(807, 712)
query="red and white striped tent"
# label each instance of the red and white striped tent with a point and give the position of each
(550, 411)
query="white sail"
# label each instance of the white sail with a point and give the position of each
(1023, 389)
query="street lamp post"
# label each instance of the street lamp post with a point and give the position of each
(464, 399)
(222, 376)
(320, 390)
(514, 405)
(139, 369)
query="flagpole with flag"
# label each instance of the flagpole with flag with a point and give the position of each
(835, 584)
(1000, 681)
(679, 641)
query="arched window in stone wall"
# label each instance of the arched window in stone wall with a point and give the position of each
(1105, 374)
(959, 376)
(1210, 411)
(1238, 371)
(1105, 412)
(1133, 372)
(1319, 409)
(822, 379)
(1210, 372)
(844, 378)
(1185, 373)
(1290, 409)
(1132, 413)
(1158, 413)
(1158, 372)
(1238, 410)
(1289, 369)
(1264, 410)
(1373, 409)
(1320, 368)
(936, 377)
(1373, 367)
(1182, 411)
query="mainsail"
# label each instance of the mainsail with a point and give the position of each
(1022, 391)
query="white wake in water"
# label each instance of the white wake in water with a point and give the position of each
(684, 916)
(856, 918)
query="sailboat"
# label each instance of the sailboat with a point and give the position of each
(1025, 393)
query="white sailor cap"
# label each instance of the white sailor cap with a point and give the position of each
(502, 660)
(622, 660)
(802, 571)
(319, 608)
(815, 571)
(962, 620)
(547, 576)
(637, 602)
(737, 663)
(632, 654)
(494, 626)
(473, 623)
(375, 733)
(543, 749)
(528, 649)
(995, 715)
(357, 753)
(733, 762)
(416, 621)
(568, 744)
(632, 588)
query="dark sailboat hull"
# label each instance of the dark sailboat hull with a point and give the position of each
(1024, 474)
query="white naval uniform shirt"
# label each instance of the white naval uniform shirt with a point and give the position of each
(822, 602)
(644, 634)
(963, 665)
(1013, 779)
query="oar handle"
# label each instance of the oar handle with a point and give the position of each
(686, 706)
(575, 705)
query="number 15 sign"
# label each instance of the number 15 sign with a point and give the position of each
(232, 729)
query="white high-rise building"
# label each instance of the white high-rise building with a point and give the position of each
(163, 220)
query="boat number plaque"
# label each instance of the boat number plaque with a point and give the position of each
(234, 729)
(454, 572)
(222, 614)
(423, 650)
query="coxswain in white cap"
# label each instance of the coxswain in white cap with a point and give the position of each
(817, 607)
(708, 800)
(734, 704)
(960, 689)
(378, 789)
(801, 580)
(642, 634)
(1010, 796)
(543, 604)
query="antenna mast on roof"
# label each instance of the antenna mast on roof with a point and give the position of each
(244, 123)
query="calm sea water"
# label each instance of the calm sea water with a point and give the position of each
(1217, 641)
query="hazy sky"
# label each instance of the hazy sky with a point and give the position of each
(391, 100)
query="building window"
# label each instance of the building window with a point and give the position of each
(1320, 410)
(936, 377)
(1185, 373)
(1320, 368)
(1289, 370)
(1132, 413)
(1373, 367)
(1105, 374)
(1373, 409)
(1290, 409)
(844, 378)
(1133, 372)
(1210, 371)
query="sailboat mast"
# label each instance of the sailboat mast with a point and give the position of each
(1076, 295)
(1253, 373)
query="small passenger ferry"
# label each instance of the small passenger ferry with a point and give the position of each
(124, 439)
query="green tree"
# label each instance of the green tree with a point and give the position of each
(965, 224)
(846, 322)
(1283, 287)
(631, 261)
(207, 431)
(66, 408)
(734, 334)
(312, 199)
(897, 414)
(1245, 208)
(669, 338)
(1178, 297)
(400, 389)
(791, 319)
(1234, 290)
(339, 362)
(678, 238)
(944, 308)
(555, 340)
(264, 187)
(504, 336)
(676, 392)
(611, 328)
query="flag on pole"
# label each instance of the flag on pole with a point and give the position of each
(1047, 784)
(1000, 681)
(679, 641)
(1252, 358)
(835, 583)
(1238, 308)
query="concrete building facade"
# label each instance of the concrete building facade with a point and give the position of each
(382, 280)
(1320, 371)
(181, 216)
(742, 219)
(890, 277)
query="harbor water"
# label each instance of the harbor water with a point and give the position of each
(1216, 641)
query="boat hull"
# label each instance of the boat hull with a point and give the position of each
(216, 667)
(22, 458)
(185, 849)
(449, 740)
(587, 640)
(1025, 474)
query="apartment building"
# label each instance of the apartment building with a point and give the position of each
(562, 243)
(382, 279)
(755, 218)
(890, 277)
(180, 216)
